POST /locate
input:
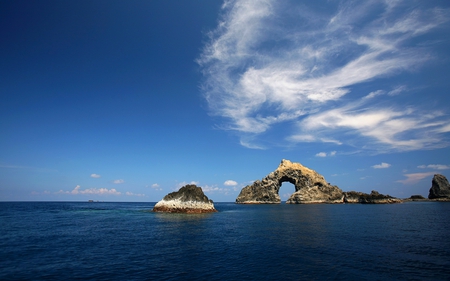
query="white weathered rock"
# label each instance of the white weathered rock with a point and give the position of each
(189, 199)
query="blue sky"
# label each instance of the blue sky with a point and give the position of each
(130, 100)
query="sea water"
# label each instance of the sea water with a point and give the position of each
(126, 241)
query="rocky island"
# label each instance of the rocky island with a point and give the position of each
(189, 199)
(310, 187)
(440, 188)
(373, 198)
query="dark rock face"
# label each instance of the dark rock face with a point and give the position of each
(189, 199)
(373, 198)
(440, 188)
(416, 198)
(310, 187)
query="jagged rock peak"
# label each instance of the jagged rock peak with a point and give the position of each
(310, 187)
(189, 199)
(440, 188)
(288, 165)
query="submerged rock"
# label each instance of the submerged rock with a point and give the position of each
(373, 198)
(310, 187)
(440, 188)
(189, 199)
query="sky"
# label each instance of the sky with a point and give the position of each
(130, 100)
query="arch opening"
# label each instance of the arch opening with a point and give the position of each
(285, 191)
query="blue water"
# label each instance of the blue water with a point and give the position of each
(126, 241)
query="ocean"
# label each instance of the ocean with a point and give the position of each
(126, 241)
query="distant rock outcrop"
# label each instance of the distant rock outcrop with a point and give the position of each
(440, 188)
(373, 198)
(189, 199)
(416, 198)
(310, 187)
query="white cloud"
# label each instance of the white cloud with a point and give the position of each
(397, 90)
(416, 177)
(324, 154)
(214, 188)
(230, 183)
(118, 181)
(134, 194)
(95, 176)
(76, 190)
(255, 82)
(155, 186)
(321, 154)
(181, 184)
(434, 166)
(381, 166)
(286, 195)
(98, 191)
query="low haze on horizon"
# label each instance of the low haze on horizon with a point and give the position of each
(130, 100)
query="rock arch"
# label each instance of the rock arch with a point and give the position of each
(310, 187)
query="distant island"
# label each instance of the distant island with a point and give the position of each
(311, 187)
(439, 191)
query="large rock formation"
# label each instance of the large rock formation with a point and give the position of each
(310, 187)
(189, 199)
(373, 198)
(440, 188)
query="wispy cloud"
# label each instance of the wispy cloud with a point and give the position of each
(183, 183)
(155, 186)
(434, 166)
(118, 181)
(381, 166)
(324, 154)
(269, 63)
(6, 166)
(97, 191)
(415, 177)
(134, 194)
(96, 176)
(215, 189)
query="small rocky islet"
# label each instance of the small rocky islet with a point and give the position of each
(310, 188)
(189, 199)
(440, 188)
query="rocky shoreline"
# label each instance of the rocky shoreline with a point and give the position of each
(373, 198)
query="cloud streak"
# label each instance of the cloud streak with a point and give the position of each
(269, 64)
(381, 166)
(415, 177)
(98, 191)
(434, 166)
(324, 154)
